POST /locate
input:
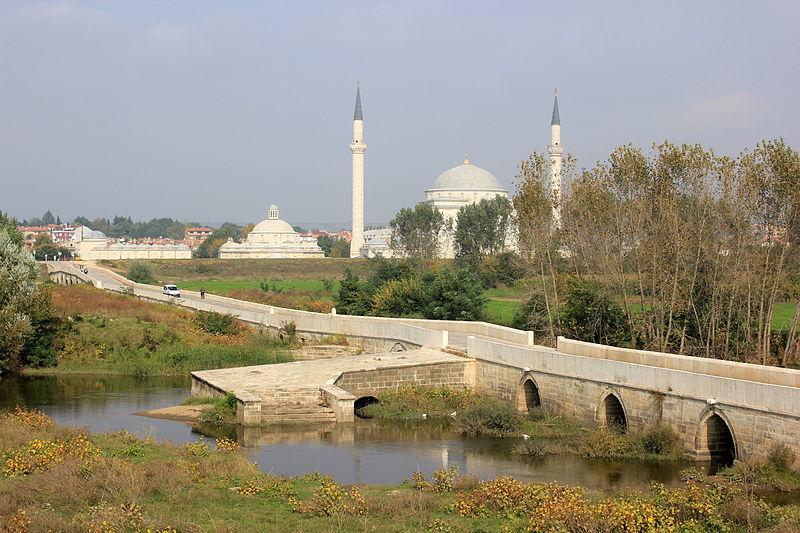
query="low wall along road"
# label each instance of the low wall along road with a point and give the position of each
(720, 409)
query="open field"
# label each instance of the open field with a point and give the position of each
(253, 270)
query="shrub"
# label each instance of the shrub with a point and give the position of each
(490, 417)
(216, 323)
(659, 440)
(140, 272)
(781, 456)
(288, 330)
(590, 314)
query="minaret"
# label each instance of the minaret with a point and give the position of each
(358, 147)
(556, 150)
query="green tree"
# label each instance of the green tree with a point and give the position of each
(210, 246)
(353, 298)
(48, 218)
(333, 246)
(482, 229)
(140, 272)
(50, 251)
(453, 295)
(418, 230)
(17, 288)
(591, 314)
(10, 225)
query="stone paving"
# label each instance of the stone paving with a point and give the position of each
(314, 374)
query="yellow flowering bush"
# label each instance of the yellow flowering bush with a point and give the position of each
(32, 418)
(331, 499)
(226, 444)
(39, 455)
(441, 480)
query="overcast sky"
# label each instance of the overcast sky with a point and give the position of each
(210, 111)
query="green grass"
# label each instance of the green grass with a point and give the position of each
(222, 287)
(782, 317)
(180, 271)
(501, 311)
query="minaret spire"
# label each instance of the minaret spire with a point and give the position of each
(357, 148)
(556, 120)
(358, 115)
(556, 151)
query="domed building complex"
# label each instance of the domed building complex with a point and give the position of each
(272, 238)
(457, 187)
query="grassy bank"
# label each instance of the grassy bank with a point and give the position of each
(67, 480)
(110, 333)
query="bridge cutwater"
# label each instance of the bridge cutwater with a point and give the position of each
(720, 409)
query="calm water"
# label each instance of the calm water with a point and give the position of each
(367, 451)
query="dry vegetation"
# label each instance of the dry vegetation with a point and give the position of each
(116, 482)
(104, 332)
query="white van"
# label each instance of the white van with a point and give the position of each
(172, 290)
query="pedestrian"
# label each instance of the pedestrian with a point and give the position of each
(202, 294)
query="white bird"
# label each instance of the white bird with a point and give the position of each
(526, 437)
(424, 416)
(453, 414)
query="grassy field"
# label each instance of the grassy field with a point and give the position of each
(68, 480)
(222, 287)
(253, 270)
(501, 311)
(111, 333)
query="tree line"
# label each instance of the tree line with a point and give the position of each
(674, 249)
(677, 249)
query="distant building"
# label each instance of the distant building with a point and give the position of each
(30, 233)
(195, 236)
(65, 232)
(272, 238)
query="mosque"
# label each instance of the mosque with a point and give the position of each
(454, 188)
(272, 238)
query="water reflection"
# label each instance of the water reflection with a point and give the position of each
(365, 451)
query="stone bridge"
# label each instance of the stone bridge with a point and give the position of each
(720, 409)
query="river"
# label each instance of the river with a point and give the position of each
(367, 451)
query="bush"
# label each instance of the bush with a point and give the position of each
(659, 440)
(216, 323)
(493, 418)
(453, 295)
(140, 272)
(590, 314)
(532, 315)
(781, 457)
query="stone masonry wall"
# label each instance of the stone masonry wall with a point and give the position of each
(372, 382)
(754, 431)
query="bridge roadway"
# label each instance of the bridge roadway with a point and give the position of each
(719, 409)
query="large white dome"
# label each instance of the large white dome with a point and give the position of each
(273, 224)
(466, 177)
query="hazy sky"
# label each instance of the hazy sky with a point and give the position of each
(210, 110)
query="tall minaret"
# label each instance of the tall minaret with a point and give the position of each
(358, 147)
(555, 149)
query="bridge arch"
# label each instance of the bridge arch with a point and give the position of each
(715, 439)
(362, 402)
(611, 411)
(528, 397)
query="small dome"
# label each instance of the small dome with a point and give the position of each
(466, 177)
(95, 234)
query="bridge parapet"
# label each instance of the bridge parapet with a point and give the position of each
(698, 365)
